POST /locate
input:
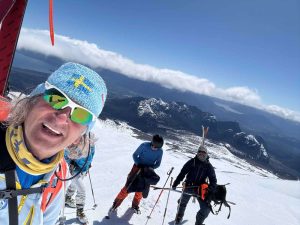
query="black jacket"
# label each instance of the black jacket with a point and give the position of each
(196, 173)
(142, 182)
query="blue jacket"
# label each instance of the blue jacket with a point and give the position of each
(144, 155)
(79, 163)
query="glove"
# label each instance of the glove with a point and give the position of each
(173, 187)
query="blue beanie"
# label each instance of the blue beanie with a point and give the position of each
(81, 84)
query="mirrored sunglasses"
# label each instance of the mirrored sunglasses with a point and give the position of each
(57, 99)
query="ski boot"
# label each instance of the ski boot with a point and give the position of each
(81, 216)
(136, 209)
(70, 202)
(112, 211)
(178, 220)
(114, 207)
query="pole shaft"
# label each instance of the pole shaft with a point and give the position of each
(171, 182)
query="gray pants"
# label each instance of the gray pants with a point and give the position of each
(201, 214)
(77, 185)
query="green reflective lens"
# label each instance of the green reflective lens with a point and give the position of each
(58, 101)
(55, 99)
(81, 116)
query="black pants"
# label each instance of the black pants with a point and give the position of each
(201, 214)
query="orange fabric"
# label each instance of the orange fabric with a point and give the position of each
(123, 193)
(50, 192)
(4, 108)
(203, 189)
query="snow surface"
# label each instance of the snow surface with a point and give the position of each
(261, 198)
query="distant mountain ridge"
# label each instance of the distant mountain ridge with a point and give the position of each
(282, 136)
(155, 115)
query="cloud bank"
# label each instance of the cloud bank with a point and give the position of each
(90, 54)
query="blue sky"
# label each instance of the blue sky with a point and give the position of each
(231, 43)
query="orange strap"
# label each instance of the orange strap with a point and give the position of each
(202, 190)
(52, 190)
(5, 106)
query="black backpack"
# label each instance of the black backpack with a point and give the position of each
(219, 198)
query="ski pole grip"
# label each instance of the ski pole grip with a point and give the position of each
(171, 170)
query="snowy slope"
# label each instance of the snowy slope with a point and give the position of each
(261, 198)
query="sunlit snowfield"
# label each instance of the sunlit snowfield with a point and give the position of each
(261, 198)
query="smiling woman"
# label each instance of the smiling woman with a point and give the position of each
(38, 129)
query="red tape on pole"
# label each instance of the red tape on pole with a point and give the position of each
(51, 27)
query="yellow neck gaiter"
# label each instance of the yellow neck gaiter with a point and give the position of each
(23, 158)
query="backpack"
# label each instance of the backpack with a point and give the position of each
(219, 198)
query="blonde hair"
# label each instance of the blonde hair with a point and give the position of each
(20, 109)
(81, 149)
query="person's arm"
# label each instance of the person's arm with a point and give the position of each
(185, 169)
(158, 161)
(137, 155)
(90, 159)
(80, 163)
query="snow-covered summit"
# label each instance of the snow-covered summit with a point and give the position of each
(157, 108)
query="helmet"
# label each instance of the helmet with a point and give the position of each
(157, 141)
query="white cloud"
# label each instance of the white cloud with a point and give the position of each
(90, 54)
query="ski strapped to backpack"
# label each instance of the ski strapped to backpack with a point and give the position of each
(11, 18)
(204, 134)
(219, 196)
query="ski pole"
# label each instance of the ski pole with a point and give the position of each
(167, 201)
(169, 174)
(95, 205)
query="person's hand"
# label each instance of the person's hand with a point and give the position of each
(173, 187)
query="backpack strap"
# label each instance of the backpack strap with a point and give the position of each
(7, 166)
(10, 179)
(227, 205)
(54, 186)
